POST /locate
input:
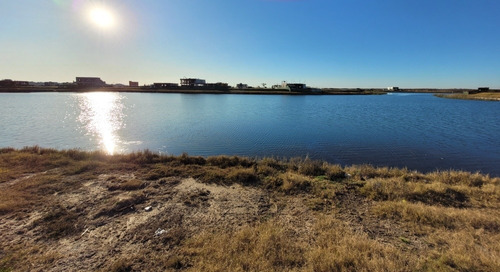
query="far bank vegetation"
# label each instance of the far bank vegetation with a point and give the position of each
(487, 96)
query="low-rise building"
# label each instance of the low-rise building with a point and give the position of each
(90, 82)
(192, 82)
(13, 83)
(165, 85)
(296, 86)
(242, 86)
(291, 86)
(218, 85)
(133, 84)
(7, 83)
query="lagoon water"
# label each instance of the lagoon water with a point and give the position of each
(418, 131)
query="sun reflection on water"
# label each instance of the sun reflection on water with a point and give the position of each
(102, 116)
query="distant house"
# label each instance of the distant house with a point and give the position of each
(296, 86)
(133, 84)
(218, 85)
(483, 89)
(290, 86)
(51, 83)
(22, 83)
(242, 86)
(192, 82)
(165, 85)
(393, 89)
(90, 82)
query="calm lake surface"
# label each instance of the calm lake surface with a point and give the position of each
(418, 131)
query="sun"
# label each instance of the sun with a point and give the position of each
(102, 17)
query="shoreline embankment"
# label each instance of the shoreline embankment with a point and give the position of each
(258, 91)
(484, 96)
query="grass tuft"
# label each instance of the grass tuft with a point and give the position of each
(59, 222)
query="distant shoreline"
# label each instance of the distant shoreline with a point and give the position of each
(486, 96)
(258, 91)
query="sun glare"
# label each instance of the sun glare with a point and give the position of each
(101, 116)
(102, 17)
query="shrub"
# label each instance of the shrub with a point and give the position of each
(6, 150)
(157, 173)
(272, 163)
(185, 159)
(77, 154)
(213, 175)
(334, 172)
(265, 170)
(225, 161)
(293, 182)
(82, 166)
(460, 177)
(245, 176)
(311, 168)
(385, 189)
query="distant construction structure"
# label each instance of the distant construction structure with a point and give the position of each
(192, 82)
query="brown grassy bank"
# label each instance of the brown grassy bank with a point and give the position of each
(488, 96)
(85, 211)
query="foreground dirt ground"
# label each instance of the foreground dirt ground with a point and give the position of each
(78, 211)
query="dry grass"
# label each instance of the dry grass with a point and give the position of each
(270, 246)
(452, 188)
(420, 216)
(490, 96)
(308, 215)
(59, 222)
(337, 248)
(126, 185)
(121, 205)
(265, 247)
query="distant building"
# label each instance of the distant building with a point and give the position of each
(90, 82)
(393, 89)
(133, 84)
(217, 86)
(165, 85)
(483, 89)
(296, 86)
(13, 83)
(242, 86)
(192, 82)
(291, 86)
(7, 83)
(51, 83)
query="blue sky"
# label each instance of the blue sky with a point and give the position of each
(323, 43)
